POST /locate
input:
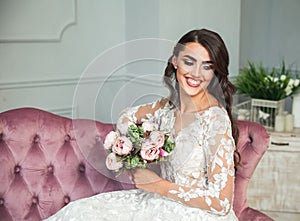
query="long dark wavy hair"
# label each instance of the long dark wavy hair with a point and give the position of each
(220, 86)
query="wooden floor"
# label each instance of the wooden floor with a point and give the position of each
(280, 216)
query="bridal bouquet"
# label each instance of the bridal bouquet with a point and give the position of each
(141, 145)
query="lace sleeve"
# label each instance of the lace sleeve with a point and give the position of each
(138, 114)
(214, 190)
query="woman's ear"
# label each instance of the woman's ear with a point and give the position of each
(174, 61)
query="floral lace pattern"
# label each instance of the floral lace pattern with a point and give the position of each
(201, 165)
(202, 148)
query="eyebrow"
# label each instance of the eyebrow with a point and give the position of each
(207, 62)
(190, 57)
(194, 59)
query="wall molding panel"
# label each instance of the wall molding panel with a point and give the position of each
(33, 21)
(64, 111)
(75, 81)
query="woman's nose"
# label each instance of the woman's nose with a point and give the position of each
(197, 71)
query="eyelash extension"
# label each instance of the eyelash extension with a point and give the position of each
(189, 63)
(206, 67)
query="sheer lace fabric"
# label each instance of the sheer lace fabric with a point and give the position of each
(201, 165)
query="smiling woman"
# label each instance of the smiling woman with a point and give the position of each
(194, 69)
(197, 180)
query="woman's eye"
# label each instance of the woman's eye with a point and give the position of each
(189, 63)
(206, 67)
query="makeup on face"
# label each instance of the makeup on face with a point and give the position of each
(194, 68)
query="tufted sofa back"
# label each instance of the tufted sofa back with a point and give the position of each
(252, 145)
(46, 161)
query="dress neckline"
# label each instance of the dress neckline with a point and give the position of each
(198, 116)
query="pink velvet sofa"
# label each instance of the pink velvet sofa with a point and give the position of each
(47, 161)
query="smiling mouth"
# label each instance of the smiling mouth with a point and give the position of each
(192, 82)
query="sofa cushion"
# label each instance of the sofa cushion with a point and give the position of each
(47, 161)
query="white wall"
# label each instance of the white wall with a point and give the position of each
(41, 64)
(168, 20)
(78, 57)
(270, 32)
(178, 17)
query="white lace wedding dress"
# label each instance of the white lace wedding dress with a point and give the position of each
(205, 145)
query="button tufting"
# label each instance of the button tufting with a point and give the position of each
(35, 200)
(36, 138)
(67, 138)
(81, 168)
(1, 201)
(98, 138)
(251, 139)
(50, 169)
(17, 169)
(1, 136)
(67, 199)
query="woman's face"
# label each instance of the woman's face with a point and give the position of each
(194, 69)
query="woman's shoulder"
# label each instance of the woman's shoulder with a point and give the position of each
(153, 106)
(215, 113)
(158, 104)
(217, 109)
(141, 111)
(213, 110)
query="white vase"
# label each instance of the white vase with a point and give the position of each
(296, 109)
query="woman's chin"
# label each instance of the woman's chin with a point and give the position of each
(192, 91)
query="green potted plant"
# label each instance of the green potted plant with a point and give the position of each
(267, 90)
(258, 82)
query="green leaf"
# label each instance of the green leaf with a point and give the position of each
(259, 82)
(168, 146)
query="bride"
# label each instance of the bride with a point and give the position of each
(197, 181)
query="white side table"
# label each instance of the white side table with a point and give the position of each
(275, 185)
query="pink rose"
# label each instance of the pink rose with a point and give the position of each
(149, 126)
(122, 146)
(110, 140)
(112, 162)
(158, 138)
(149, 150)
(163, 153)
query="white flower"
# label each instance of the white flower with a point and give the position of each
(110, 139)
(288, 90)
(291, 82)
(283, 77)
(112, 163)
(296, 83)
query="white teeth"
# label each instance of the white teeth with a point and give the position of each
(193, 82)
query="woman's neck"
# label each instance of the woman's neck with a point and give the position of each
(197, 103)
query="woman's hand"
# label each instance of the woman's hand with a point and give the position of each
(144, 177)
(149, 181)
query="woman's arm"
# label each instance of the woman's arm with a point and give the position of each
(138, 114)
(217, 196)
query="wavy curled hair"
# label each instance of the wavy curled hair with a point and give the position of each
(220, 86)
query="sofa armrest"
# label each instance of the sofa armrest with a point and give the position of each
(252, 144)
